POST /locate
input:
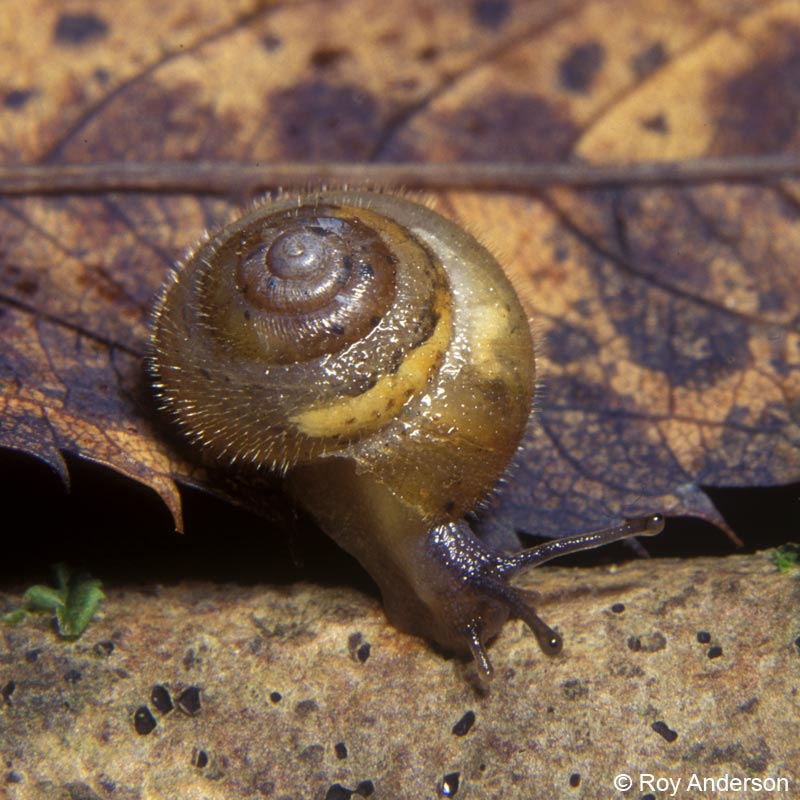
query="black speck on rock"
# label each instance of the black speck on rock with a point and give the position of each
(450, 784)
(704, 637)
(338, 792)
(161, 698)
(143, 721)
(714, 652)
(104, 649)
(365, 788)
(81, 791)
(662, 729)
(463, 726)
(189, 701)
(363, 652)
(8, 690)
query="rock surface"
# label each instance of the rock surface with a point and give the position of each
(671, 668)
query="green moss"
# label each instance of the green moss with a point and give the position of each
(785, 557)
(74, 600)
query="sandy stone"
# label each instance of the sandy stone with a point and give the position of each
(267, 681)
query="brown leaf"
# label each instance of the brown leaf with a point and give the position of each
(668, 317)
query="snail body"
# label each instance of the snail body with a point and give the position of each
(376, 356)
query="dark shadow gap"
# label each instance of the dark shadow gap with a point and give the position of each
(121, 532)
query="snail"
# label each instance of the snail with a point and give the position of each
(376, 356)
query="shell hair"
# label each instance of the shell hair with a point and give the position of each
(376, 356)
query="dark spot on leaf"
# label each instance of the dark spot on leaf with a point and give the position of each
(17, 98)
(771, 300)
(318, 120)
(578, 70)
(704, 637)
(325, 57)
(365, 788)
(271, 42)
(27, 286)
(178, 114)
(161, 698)
(523, 127)
(491, 13)
(105, 648)
(306, 707)
(618, 608)
(275, 697)
(662, 729)
(144, 721)
(340, 748)
(428, 53)
(189, 701)
(567, 344)
(649, 59)
(78, 29)
(657, 124)
(464, 725)
(714, 652)
(200, 759)
(450, 784)
(757, 110)
(705, 347)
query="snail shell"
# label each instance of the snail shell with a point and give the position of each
(377, 356)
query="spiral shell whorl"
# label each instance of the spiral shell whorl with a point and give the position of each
(297, 329)
(315, 283)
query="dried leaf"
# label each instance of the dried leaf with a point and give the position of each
(668, 317)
